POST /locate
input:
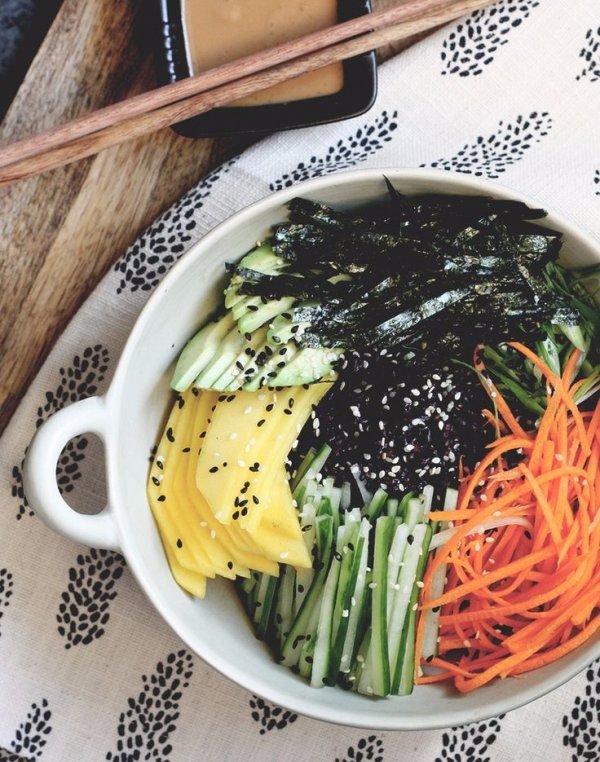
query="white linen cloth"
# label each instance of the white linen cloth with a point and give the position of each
(89, 671)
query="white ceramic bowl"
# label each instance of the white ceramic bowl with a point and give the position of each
(129, 420)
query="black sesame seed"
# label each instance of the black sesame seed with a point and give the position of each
(283, 351)
(252, 307)
(269, 407)
(410, 539)
(244, 511)
(224, 464)
(161, 498)
(287, 411)
(242, 503)
(239, 365)
(221, 398)
(300, 588)
(230, 564)
(179, 544)
(235, 515)
(291, 402)
(248, 336)
(186, 449)
(268, 351)
(170, 436)
(231, 398)
(236, 502)
(213, 470)
(202, 434)
(527, 534)
(260, 423)
(155, 481)
(255, 500)
(254, 468)
(160, 464)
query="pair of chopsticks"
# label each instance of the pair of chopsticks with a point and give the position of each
(153, 110)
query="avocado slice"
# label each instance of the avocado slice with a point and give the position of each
(200, 350)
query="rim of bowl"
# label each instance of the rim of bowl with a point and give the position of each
(253, 683)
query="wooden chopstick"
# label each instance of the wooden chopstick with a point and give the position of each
(167, 105)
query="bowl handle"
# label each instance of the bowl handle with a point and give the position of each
(39, 475)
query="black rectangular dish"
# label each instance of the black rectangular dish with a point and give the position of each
(356, 96)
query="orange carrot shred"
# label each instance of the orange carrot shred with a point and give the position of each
(519, 597)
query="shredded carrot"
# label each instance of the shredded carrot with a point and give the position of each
(517, 598)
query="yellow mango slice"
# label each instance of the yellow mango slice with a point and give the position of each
(197, 545)
(193, 582)
(245, 446)
(278, 532)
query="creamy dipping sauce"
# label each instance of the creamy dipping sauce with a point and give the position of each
(219, 31)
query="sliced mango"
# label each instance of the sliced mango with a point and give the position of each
(193, 582)
(250, 435)
(167, 513)
(218, 488)
(279, 533)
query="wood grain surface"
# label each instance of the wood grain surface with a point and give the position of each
(60, 232)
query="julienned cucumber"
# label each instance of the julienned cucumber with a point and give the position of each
(351, 619)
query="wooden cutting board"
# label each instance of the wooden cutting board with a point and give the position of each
(59, 233)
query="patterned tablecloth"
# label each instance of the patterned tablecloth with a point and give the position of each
(89, 670)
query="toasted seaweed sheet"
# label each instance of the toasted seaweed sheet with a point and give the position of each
(417, 273)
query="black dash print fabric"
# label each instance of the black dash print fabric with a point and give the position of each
(368, 748)
(145, 728)
(84, 608)
(6, 590)
(269, 716)
(470, 743)
(153, 255)
(344, 153)
(82, 377)
(89, 670)
(491, 155)
(31, 735)
(474, 42)
(582, 724)
(590, 55)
